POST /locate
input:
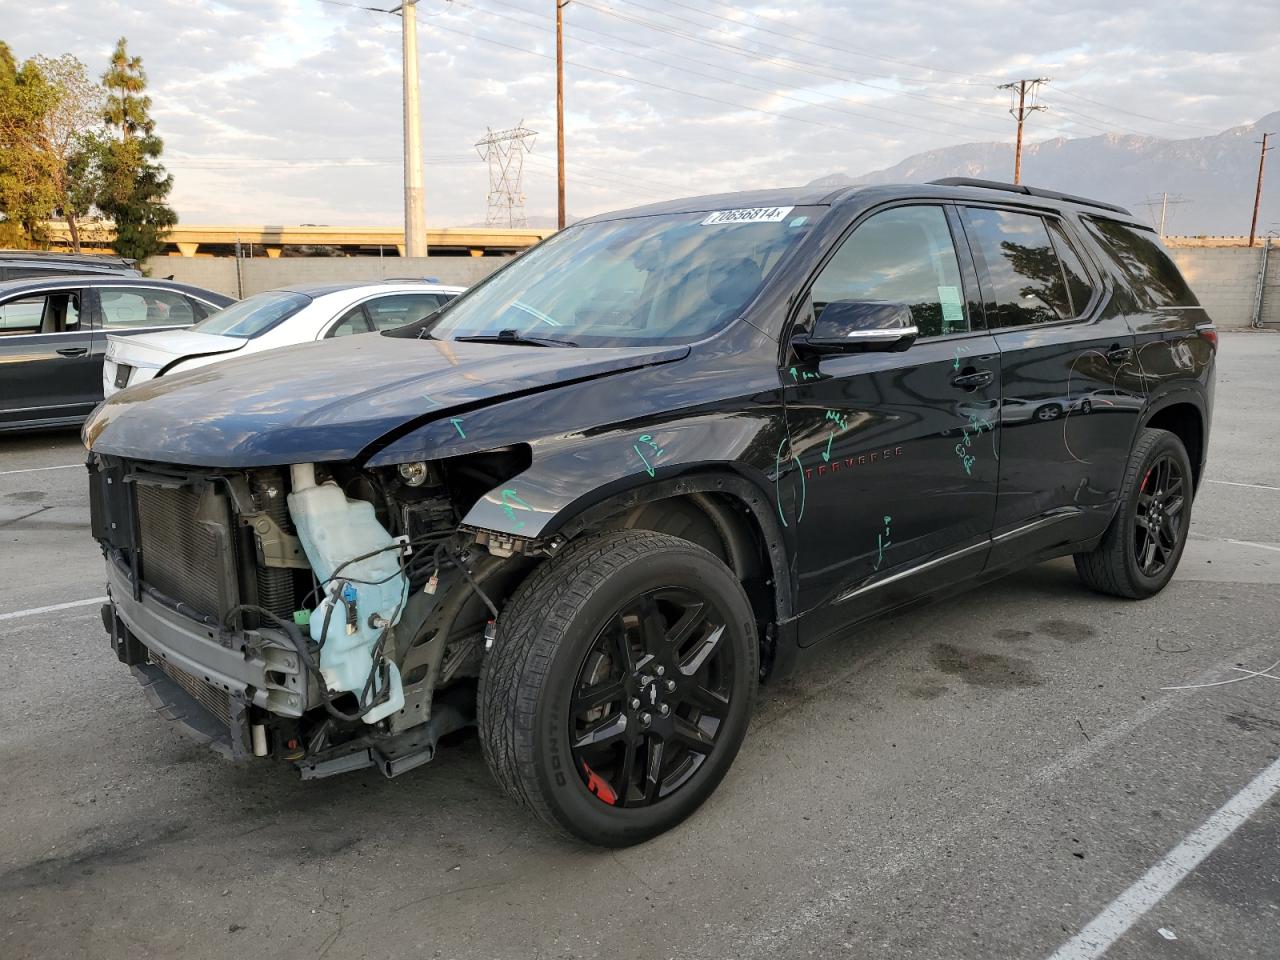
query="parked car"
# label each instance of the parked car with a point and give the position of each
(38, 265)
(53, 335)
(590, 524)
(267, 320)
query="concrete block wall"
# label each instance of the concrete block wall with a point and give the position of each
(269, 273)
(1225, 279)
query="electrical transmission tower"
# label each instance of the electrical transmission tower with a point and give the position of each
(1019, 91)
(504, 152)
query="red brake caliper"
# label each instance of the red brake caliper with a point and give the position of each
(599, 786)
(1145, 479)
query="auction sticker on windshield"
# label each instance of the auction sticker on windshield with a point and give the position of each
(747, 215)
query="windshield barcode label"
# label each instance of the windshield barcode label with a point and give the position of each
(747, 215)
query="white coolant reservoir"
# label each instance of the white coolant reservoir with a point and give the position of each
(334, 530)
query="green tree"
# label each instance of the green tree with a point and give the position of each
(134, 184)
(28, 193)
(72, 138)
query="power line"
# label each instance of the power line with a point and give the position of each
(772, 91)
(652, 83)
(1144, 116)
(973, 78)
(1164, 202)
(823, 71)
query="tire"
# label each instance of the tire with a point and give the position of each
(1050, 411)
(1086, 406)
(562, 641)
(1116, 566)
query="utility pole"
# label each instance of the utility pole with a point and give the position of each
(1257, 195)
(560, 216)
(1165, 203)
(1018, 90)
(415, 225)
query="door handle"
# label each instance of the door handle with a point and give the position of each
(73, 351)
(971, 381)
(1120, 354)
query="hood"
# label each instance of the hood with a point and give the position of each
(161, 349)
(331, 399)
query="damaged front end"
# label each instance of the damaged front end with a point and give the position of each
(326, 615)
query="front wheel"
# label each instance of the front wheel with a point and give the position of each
(1141, 549)
(620, 685)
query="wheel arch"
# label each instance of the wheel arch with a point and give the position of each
(1182, 414)
(740, 513)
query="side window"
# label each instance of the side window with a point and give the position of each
(22, 316)
(199, 310)
(125, 308)
(905, 255)
(388, 313)
(1025, 283)
(1144, 262)
(41, 313)
(352, 322)
(1079, 286)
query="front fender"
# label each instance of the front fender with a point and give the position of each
(572, 474)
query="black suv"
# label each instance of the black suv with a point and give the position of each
(595, 500)
(37, 265)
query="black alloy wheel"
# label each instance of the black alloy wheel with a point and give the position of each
(620, 685)
(1139, 552)
(651, 698)
(1158, 523)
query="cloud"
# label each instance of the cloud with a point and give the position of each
(288, 111)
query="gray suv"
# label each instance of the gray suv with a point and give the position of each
(36, 265)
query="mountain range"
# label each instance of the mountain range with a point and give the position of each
(1210, 180)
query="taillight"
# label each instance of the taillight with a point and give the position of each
(1209, 333)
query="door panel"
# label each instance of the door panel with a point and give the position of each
(49, 370)
(1070, 400)
(899, 466)
(1070, 395)
(895, 452)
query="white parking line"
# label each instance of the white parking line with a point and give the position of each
(1252, 486)
(1125, 910)
(1250, 543)
(61, 466)
(51, 608)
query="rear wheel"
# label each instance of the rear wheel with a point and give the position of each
(1141, 549)
(620, 685)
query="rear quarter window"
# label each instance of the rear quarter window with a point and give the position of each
(1144, 262)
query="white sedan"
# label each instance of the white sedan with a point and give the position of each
(275, 318)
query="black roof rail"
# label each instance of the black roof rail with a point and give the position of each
(1028, 191)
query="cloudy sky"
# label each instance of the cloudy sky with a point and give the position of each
(288, 111)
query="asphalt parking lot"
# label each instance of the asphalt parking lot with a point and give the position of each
(981, 778)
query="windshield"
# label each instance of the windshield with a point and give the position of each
(254, 315)
(671, 278)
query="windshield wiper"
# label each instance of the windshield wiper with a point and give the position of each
(512, 336)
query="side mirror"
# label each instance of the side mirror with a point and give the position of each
(855, 326)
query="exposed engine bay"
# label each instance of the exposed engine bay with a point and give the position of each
(324, 615)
